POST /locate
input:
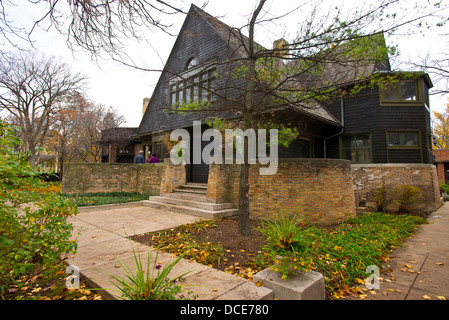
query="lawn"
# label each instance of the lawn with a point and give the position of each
(341, 253)
(100, 198)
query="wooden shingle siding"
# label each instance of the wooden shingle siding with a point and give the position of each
(363, 114)
(196, 39)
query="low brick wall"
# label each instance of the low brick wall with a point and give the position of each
(369, 177)
(105, 177)
(319, 189)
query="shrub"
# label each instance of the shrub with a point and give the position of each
(34, 232)
(381, 198)
(407, 198)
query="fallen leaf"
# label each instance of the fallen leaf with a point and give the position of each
(214, 289)
(408, 266)
(426, 297)
(411, 261)
(440, 263)
(441, 297)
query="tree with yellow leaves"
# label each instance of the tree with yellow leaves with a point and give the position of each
(441, 128)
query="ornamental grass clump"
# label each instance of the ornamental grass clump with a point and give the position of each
(152, 282)
(286, 244)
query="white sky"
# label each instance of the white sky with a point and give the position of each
(115, 85)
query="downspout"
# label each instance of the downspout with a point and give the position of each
(342, 119)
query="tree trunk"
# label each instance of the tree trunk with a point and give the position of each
(244, 222)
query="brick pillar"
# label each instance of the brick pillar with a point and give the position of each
(218, 183)
(174, 176)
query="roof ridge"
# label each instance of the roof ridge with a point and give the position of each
(231, 35)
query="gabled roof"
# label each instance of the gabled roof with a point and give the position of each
(117, 134)
(237, 41)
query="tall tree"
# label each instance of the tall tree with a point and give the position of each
(31, 89)
(76, 129)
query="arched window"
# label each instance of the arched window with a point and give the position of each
(192, 62)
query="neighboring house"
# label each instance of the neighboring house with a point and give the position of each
(375, 126)
(442, 163)
(117, 145)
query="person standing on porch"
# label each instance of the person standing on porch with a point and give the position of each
(140, 158)
(154, 158)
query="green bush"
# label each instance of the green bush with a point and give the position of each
(381, 198)
(34, 232)
(407, 198)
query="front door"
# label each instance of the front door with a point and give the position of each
(198, 173)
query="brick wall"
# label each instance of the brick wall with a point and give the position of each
(105, 177)
(319, 189)
(441, 158)
(369, 177)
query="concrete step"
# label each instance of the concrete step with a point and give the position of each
(190, 190)
(196, 188)
(207, 214)
(193, 203)
(188, 196)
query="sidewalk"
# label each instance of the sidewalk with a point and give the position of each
(102, 240)
(420, 268)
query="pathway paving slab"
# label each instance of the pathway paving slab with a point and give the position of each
(104, 250)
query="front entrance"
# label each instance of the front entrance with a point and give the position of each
(197, 173)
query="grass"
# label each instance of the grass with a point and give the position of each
(343, 253)
(100, 198)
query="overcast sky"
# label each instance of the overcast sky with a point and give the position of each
(123, 88)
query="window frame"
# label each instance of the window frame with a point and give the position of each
(194, 83)
(354, 136)
(420, 95)
(402, 146)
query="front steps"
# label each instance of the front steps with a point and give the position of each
(191, 199)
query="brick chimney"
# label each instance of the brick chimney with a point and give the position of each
(146, 101)
(279, 46)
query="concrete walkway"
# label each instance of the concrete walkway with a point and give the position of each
(420, 268)
(101, 234)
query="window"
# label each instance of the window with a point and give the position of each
(191, 63)
(405, 90)
(403, 140)
(410, 92)
(357, 148)
(197, 87)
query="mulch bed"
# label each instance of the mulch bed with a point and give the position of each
(239, 250)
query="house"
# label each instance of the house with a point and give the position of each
(117, 145)
(442, 164)
(380, 124)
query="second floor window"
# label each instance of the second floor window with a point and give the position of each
(405, 90)
(197, 87)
